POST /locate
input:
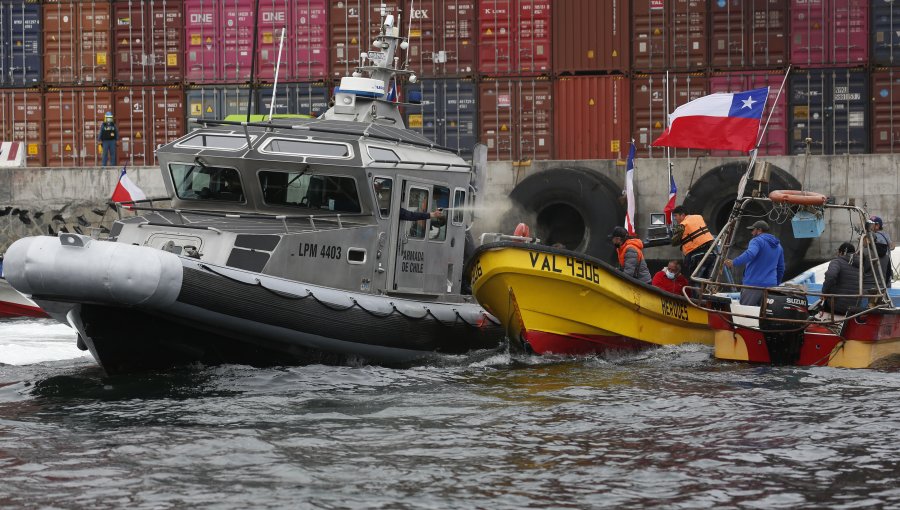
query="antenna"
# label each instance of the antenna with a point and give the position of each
(409, 33)
(252, 61)
(277, 67)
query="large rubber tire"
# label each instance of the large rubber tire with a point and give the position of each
(713, 196)
(572, 206)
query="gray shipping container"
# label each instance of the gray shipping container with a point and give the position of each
(831, 107)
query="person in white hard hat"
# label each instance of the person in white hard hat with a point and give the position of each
(108, 136)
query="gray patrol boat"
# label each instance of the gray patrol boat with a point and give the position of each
(284, 243)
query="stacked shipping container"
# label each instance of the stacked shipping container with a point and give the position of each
(533, 79)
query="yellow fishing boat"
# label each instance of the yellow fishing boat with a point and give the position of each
(558, 301)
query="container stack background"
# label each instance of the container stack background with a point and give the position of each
(532, 79)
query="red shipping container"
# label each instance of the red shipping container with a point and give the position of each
(514, 37)
(202, 40)
(885, 111)
(274, 15)
(829, 32)
(310, 40)
(775, 139)
(21, 116)
(77, 42)
(168, 120)
(62, 127)
(147, 117)
(515, 119)
(237, 21)
(736, 25)
(590, 35)
(148, 41)
(648, 108)
(849, 32)
(94, 104)
(592, 118)
(442, 37)
(669, 35)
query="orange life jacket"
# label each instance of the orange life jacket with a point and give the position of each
(696, 233)
(636, 244)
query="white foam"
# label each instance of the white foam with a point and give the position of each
(25, 342)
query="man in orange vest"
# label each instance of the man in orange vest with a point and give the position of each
(692, 234)
(631, 255)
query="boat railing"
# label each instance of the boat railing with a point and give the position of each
(421, 164)
(336, 219)
(691, 294)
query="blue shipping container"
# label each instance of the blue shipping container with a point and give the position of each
(294, 98)
(831, 107)
(448, 115)
(215, 102)
(885, 32)
(20, 43)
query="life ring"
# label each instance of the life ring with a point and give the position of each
(798, 197)
(574, 207)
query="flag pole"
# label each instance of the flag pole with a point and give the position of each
(762, 133)
(668, 149)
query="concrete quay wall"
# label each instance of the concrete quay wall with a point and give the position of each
(35, 201)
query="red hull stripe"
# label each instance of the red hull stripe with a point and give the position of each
(15, 310)
(542, 342)
(704, 132)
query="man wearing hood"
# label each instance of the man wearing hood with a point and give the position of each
(764, 259)
(631, 255)
(841, 277)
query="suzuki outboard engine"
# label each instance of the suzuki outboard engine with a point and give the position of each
(784, 339)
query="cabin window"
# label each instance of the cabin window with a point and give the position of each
(459, 203)
(384, 189)
(380, 154)
(216, 141)
(418, 202)
(201, 182)
(306, 148)
(438, 231)
(310, 191)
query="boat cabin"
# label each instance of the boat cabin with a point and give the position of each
(316, 201)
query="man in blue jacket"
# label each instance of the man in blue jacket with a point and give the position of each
(764, 259)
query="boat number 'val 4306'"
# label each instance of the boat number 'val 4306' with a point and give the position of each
(576, 267)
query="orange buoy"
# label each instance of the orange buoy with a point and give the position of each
(798, 197)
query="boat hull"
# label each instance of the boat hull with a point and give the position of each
(160, 310)
(13, 304)
(860, 343)
(556, 301)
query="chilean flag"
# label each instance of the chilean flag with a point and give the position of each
(725, 120)
(629, 191)
(670, 206)
(126, 190)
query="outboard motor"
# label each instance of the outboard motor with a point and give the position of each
(784, 339)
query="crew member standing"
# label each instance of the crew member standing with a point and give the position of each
(883, 247)
(108, 137)
(692, 234)
(764, 259)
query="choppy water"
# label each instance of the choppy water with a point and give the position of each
(671, 428)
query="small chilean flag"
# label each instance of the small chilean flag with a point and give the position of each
(670, 206)
(629, 191)
(725, 120)
(126, 190)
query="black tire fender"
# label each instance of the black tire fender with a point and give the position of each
(713, 196)
(573, 206)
